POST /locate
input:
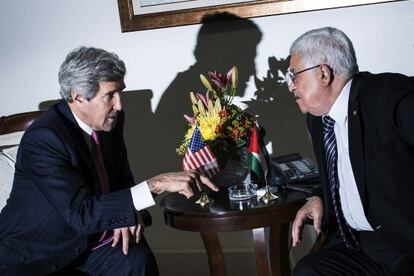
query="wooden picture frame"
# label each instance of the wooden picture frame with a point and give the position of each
(167, 16)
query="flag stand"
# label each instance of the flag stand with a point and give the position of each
(204, 199)
(268, 196)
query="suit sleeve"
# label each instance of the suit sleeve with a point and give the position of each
(54, 169)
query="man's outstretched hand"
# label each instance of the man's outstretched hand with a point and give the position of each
(180, 182)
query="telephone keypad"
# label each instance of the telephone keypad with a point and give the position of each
(297, 169)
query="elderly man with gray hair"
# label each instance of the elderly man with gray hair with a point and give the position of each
(362, 128)
(74, 207)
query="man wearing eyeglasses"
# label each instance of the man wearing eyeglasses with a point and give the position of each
(362, 128)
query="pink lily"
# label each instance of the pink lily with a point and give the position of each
(219, 80)
(203, 98)
(189, 119)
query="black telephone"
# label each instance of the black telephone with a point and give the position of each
(294, 169)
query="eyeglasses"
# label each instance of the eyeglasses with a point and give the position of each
(291, 76)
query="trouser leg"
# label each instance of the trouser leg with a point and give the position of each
(336, 259)
(374, 258)
(109, 260)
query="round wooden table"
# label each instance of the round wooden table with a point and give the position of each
(224, 215)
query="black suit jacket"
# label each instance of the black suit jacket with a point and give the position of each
(381, 149)
(53, 209)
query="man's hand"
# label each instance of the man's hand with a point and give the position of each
(126, 233)
(181, 182)
(313, 209)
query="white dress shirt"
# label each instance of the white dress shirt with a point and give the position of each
(348, 192)
(141, 194)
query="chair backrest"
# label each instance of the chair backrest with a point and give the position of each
(18, 122)
(11, 131)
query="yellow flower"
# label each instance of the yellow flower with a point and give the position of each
(208, 123)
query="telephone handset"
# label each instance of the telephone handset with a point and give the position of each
(294, 169)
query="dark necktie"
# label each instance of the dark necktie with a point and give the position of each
(106, 236)
(331, 162)
(99, 164)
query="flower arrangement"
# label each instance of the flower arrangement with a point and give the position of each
(224, 126)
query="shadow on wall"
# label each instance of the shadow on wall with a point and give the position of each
(224, 40)
(141, 131)
(220, 45)
(276, 110)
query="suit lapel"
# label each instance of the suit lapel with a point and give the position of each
(77, 135)
(318, 140)
(355, 137)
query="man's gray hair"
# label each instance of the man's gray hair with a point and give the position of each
(327, 46)
(85, 67)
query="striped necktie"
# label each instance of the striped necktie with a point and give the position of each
(331, 162)
(107, 236)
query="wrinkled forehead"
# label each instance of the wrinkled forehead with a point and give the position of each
(295, 62)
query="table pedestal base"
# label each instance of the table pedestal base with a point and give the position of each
(278, 252)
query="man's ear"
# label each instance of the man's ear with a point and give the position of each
(77, 99)
(327, 75)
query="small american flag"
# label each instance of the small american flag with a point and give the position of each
(199, 156)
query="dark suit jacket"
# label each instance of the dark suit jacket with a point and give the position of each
(381, 149)
(53, 209)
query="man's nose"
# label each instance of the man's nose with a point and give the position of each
(291, 87)
(117, 102)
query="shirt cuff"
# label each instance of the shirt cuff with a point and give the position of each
(141, 196)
